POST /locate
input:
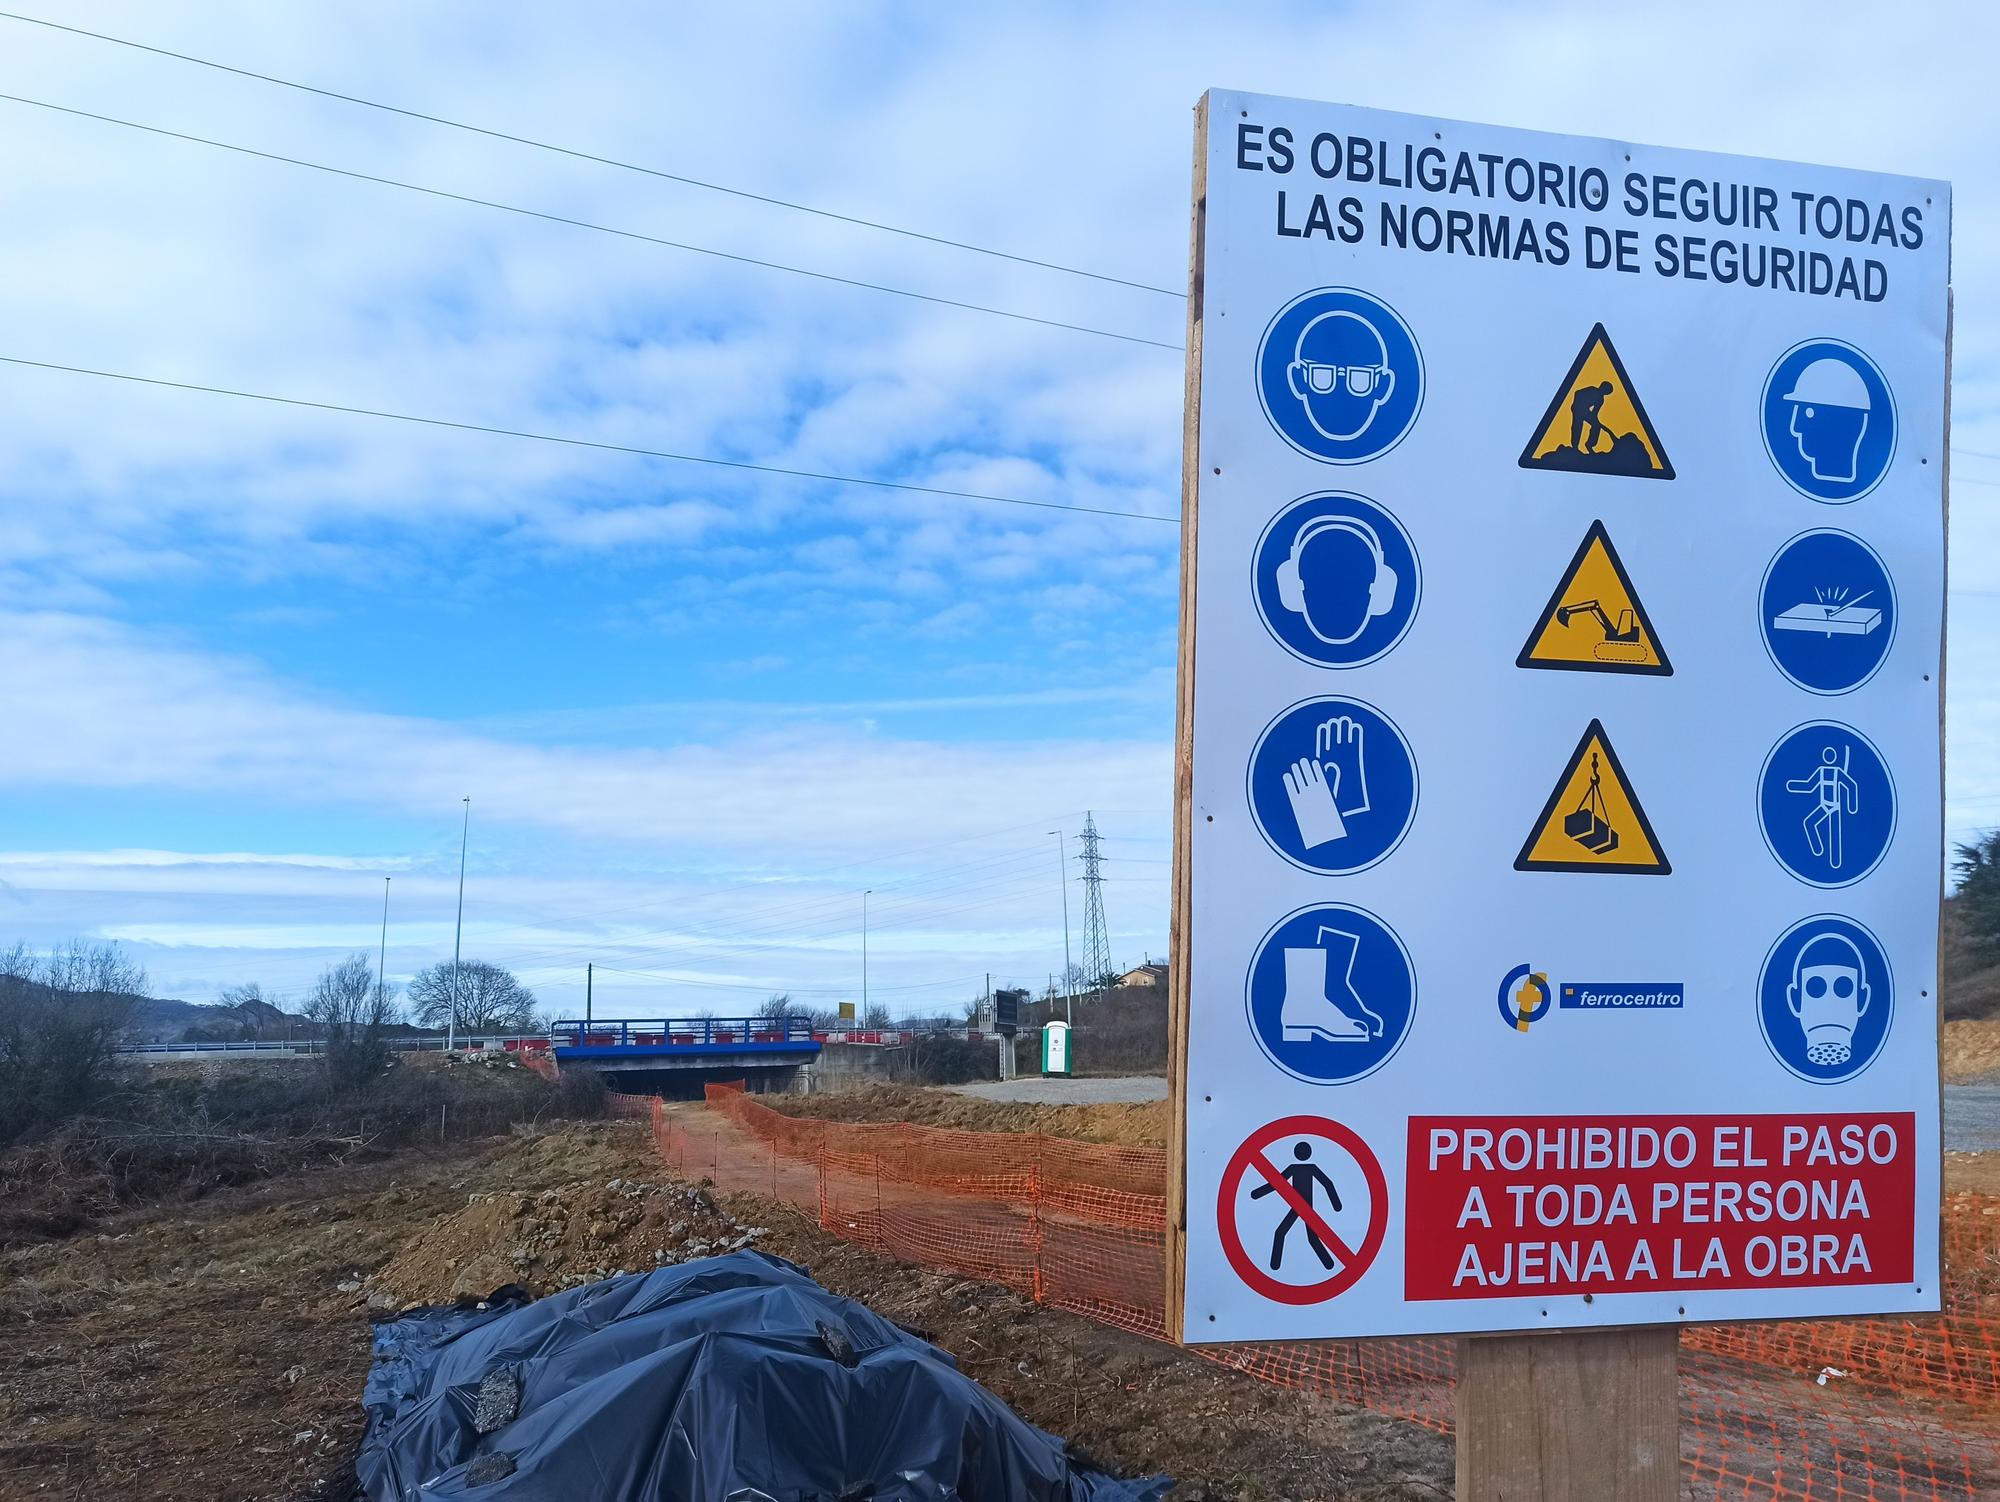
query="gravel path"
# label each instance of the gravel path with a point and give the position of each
(1971, 1118)
(1971, 1112)
(1035, 1090)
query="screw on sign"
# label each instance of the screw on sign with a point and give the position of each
(1291, 1199)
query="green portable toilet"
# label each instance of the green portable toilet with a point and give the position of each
(1055, 1048)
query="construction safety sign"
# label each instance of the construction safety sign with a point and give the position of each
(1595, 423)
(1593, 820)
(1544, 529)
(1594, 622)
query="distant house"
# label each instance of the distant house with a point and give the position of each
(1145, 975)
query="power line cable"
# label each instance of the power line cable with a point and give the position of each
(602, 229)
(804, 931)
(823, 874)
(799, 911)
(584, 443)
(588, 156)
(806, 924)
(723, 985)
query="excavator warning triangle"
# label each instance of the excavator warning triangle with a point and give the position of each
(1594, 622)
(1593, 821)
(1596, 424)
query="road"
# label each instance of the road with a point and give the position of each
(1972, 1118)
(1971, 1112)
(1035, 1090)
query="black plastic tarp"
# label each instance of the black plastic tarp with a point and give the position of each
(730, 1378)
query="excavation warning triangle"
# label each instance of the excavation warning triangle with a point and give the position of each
(1593, 821)
(1594, 622)
(1596, 424)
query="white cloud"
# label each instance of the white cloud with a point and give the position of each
(97, 708)
(1038, 127)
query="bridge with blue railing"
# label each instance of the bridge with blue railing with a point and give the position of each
(685, 1042)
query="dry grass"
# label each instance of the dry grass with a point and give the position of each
(1972, 1051)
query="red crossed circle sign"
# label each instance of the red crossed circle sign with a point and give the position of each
(1249, 1159)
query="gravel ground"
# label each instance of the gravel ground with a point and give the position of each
(1035, 1090)
(1971, 1112)
(1972, 1118)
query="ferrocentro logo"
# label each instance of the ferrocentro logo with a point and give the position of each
(1340, 375)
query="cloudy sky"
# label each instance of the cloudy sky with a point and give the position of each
(253, 656)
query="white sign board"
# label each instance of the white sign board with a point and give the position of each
(1561, 832)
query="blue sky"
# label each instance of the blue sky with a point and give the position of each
(254, 656)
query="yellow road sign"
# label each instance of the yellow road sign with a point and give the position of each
(1593, 820)
(1594, 622)
(1596, 424)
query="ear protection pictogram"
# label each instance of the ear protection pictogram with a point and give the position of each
(1381, 590)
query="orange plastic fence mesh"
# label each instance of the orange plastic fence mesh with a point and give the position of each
(628, 1107)
(1914, 1411)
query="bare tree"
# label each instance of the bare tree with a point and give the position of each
(353, 1012)
(778, 1007)
(875, 1015)
(489, 999)
(253, 1013)
(62, 1018)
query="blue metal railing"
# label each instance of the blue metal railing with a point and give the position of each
(314, 1045)
(685, 1032)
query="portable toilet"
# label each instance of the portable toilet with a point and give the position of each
(1055, 1048)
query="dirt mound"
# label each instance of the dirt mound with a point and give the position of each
(1972, 1051)
(1141, 1125)
(557, 1238)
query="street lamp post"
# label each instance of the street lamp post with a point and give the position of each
(458, 933)
(1062, 877)
(864, 957)
(382, 960)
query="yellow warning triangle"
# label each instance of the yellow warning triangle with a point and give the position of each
(1594, 622)
(1593, 821)
(1596, 424)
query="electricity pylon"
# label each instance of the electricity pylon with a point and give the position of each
(1096, 936)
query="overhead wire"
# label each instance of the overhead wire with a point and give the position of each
(588, 156)
(602, 229)
(719, 985)
(585, 443)
(794, 935)
(824, 873)
(805, 911)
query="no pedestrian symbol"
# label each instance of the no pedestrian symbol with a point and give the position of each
(1302, 1210)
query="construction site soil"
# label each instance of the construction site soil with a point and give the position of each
(1139, 1125)
(1973, 1044)
(215, 1352)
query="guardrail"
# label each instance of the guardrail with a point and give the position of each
(681, 1032)
(615, 1033)
(513, 1042)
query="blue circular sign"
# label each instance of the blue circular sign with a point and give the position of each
(1333, 785)
(1825, 999)
(1331, 994)
(1340, 375)
(1826, 804)
(1337, 580)
(1829, 421)
(1827, 611)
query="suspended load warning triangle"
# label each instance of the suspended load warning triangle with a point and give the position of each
(1596, 424)
(1594, 622)
(1593, 820)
